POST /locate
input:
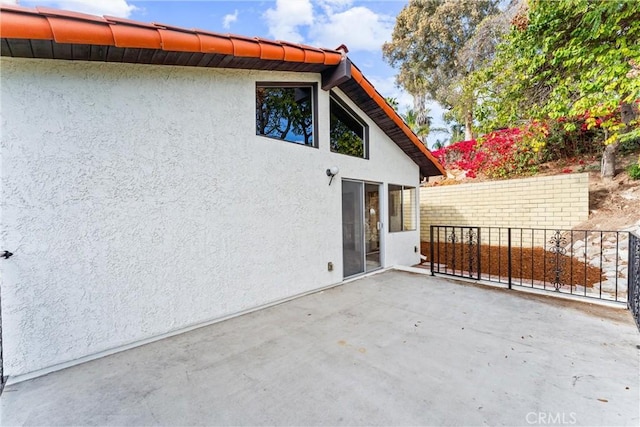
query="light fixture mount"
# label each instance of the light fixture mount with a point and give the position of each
(332, 171)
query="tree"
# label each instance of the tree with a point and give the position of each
(393, 102)
(427, 39)
(419, 123)
(455, 131)
(439, 144)
(344, 140)
(285, 113)
(564, 59)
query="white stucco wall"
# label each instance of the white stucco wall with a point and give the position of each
(138, 200)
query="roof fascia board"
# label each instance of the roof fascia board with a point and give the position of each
(337, 75)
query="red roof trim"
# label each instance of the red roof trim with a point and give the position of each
(48, 11)
(78, 28)
(81, 32)
(29, 25)
(178, 41)
(382, 103)
(215, 43)
(118, 20)
(131, 36)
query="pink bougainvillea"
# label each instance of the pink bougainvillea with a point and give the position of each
(516, 151)
(495, 154)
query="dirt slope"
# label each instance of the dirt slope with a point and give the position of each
(614, 204)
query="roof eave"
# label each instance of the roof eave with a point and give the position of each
(56, 34)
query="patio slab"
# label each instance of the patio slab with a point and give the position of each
(391, 349)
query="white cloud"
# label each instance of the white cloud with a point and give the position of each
(119, 8)
(335, 23)
(359, 28)
(337, 3)
(9, 1)
(386, 86)
(230, 19)
(331, 6)
(284, 21)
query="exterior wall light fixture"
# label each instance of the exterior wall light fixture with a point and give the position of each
(332, 171)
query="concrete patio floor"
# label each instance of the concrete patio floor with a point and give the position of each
(390, 349)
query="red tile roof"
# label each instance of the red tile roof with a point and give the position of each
(56, 34)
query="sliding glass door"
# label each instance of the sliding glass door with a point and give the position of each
(361, 227)
(372, 226)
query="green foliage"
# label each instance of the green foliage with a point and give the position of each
(343, 139)
(455, 128)
(568, 139)
(428, 46)
(561, 59)
(393, 102)
(634, 171)
(419, 123)
(439, 144)
(630, 141)
(285, 113)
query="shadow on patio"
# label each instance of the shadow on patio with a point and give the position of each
(390, 349)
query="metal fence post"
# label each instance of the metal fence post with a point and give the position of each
(630, 272)
(431, 252)
(479, 255)
(509, 268)
(633, 284)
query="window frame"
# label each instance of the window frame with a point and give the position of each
(333, 96)
(402, 188)
(314, 107)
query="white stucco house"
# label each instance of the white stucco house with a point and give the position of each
(156, 179)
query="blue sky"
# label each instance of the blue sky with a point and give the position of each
(363, 26)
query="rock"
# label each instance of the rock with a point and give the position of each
(610, 285)
(593, 252)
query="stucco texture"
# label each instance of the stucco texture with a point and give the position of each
(138, 201)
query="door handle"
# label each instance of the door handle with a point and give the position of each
(379, 225)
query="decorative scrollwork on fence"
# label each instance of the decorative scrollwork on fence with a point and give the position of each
(472, 240)
(558, 247)
(453, 239)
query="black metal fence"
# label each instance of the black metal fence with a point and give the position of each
(587, 263)
(633, 301)
(2, 379)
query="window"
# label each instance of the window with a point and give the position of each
(402, 208)
(286, 111)
(348, 135)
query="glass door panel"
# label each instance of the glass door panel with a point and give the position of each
(372, 226)
(352, 228)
